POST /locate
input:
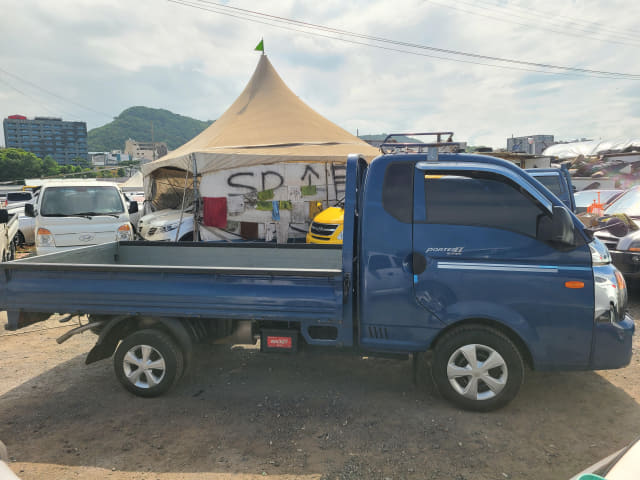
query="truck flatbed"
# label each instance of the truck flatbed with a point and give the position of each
(202, 280)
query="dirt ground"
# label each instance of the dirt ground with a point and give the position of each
(241, 414)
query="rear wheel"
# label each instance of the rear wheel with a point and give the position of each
(477, 368)
(148, 363)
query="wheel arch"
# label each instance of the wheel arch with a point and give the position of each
(511, 334)
(119, 327)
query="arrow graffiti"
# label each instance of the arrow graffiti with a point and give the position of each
(310, 171)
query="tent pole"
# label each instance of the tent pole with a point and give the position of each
(196, 208)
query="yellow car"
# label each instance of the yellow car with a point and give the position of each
(327, 226)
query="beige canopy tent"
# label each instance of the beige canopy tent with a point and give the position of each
(267, 124)
(268, 147)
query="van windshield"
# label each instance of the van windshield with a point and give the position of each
(81, 200)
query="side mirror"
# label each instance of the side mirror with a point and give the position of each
(133, 207)
(562, 226)
(558, 229)
(4, 216)
(617, 227)
(29, 210)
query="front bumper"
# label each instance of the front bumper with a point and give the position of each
(627, 262)
(47, 250)
(612, 344)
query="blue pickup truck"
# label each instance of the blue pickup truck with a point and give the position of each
(464, 256)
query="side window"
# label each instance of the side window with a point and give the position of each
(480, 199)
(397, 191)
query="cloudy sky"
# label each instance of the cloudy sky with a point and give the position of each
(90, 59)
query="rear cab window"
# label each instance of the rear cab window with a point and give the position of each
(19, 196)
(397, 191)
(552, 182)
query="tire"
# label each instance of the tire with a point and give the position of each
(19, 239)
(12, 252)
(150, 347)
(484, 387)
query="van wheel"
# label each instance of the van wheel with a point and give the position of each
(12, 252)
(477, 368)
(148, 363)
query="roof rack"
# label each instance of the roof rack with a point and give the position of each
(390, 145)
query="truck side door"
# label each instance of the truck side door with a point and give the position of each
(476, 229)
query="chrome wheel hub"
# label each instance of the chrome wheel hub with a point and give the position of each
(144, 366)
(477, 372)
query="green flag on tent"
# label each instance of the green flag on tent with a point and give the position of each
(260, 46)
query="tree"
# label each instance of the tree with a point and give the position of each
(50, 166)
(16, 164)
(81, 162)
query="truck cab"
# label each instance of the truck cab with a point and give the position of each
(326, 227)
(558, 181)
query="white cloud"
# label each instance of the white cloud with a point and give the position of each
(111, 54)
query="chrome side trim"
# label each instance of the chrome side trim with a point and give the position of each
(498, 267)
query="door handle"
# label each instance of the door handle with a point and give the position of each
(418, 263)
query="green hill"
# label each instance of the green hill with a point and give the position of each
(135, 123)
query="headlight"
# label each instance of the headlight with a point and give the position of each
(124, 233)
(168, 228)
(599, 253)
(635, 246)
(339, 237)
(44, 238)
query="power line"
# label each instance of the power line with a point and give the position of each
(49, 92)
(184, 3)
(632, 42)
(312, 29)
(577, 21)
(34, 100)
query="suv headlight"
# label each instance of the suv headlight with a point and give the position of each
(635, 246)
(168, 228)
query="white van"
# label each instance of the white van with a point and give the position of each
(78, 213)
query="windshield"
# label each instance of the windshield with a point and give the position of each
(628, 203)
(585, 198)
(552, 182)
(81, 200)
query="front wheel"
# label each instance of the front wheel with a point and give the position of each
(477, 368)
(148, 363)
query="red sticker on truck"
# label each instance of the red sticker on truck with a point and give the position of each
(279, 342)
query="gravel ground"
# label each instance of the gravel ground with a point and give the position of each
(240, 414)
